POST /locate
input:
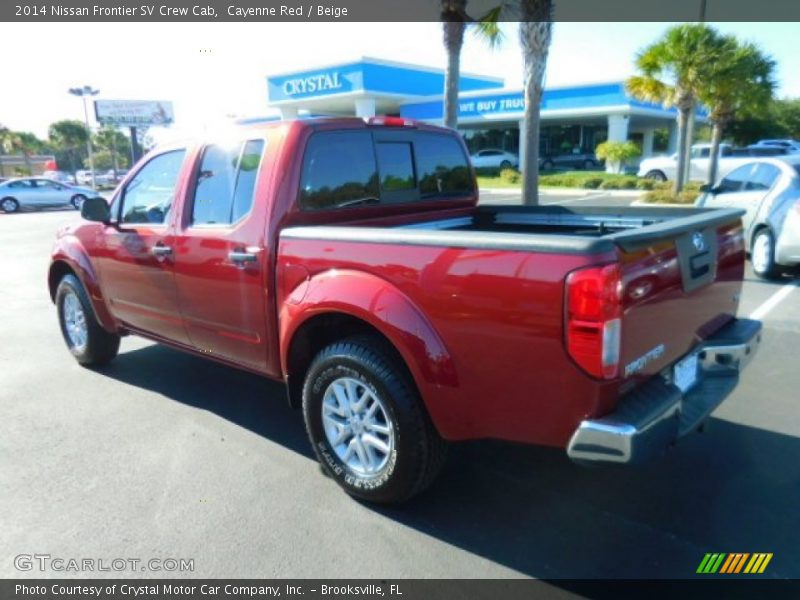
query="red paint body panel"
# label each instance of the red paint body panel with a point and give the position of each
(482, 331)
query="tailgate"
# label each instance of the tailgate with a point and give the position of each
(681, 282)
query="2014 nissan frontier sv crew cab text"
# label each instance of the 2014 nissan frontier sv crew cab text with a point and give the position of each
(350, 259)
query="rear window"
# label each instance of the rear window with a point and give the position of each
(396, 165)
(342, 169)
(339, 170)
(442, 167)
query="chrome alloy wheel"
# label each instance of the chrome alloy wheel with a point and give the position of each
(358, 426)
(75, 321)
(761, 252)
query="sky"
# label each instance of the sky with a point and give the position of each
(213, 71)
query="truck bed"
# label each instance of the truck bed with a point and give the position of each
(495, 277)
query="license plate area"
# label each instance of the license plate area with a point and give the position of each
(684, 373)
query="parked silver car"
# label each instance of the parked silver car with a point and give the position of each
(37, 192)
(768, 190)
(494, 158)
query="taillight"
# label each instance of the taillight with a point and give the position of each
(594, 324)
(391, 121)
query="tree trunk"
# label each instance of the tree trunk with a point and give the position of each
(453, 25)
(687, 169)
(683, 117)
(114, 163)
(713, 159)
(535, 40)
(28, 165)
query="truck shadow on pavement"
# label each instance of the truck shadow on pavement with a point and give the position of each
(732, 488)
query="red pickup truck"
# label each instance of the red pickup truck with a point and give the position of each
(350, 260)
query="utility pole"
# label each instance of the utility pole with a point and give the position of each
(83, 92)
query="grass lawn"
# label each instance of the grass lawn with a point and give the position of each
(548, 179)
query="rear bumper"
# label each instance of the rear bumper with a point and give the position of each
(656, 414)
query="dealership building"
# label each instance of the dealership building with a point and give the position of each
(576, 117)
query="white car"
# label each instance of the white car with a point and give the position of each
(768, 190)
(662, 168)
(792, 145)
(83, 177)
(494, 158)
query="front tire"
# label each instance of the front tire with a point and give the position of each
(87, 341)
(505, 165)
(655, 175)
(9, 205)
(547, 165)
(367, 424)
(762, 255)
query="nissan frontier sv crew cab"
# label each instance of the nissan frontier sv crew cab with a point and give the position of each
(350, 260)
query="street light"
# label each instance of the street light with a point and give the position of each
(83, 92)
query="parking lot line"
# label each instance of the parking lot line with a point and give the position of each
(773, 301)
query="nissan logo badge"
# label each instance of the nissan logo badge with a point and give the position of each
(699, 241)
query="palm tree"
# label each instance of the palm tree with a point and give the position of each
(672, 72)
(454, 23)
(453, 26)
(741, 81)
(535, 33)
(20, 142)
(69, 136)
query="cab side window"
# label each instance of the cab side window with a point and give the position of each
(225, 183)
(148, 197)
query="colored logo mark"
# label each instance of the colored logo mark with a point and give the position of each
(741, 562)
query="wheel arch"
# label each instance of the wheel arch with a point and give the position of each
(74, 262)
(341, 304)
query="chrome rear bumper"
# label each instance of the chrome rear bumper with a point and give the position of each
(656, 414)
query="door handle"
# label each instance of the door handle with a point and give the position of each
(160, 250)
(242, 256)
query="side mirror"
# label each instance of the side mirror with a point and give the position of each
(707, 188)
(96, 209)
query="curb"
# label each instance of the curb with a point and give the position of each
(664, 204)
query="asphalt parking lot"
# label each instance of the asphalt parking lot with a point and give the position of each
(164, 455)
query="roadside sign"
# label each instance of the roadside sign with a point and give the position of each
(133, 113)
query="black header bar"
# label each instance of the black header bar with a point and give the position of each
(388, 10)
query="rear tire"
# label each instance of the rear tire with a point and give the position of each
(87, 341)
(505, 165)
(77, 201)
(547, 165)
(9, 205)
(357, 402)
(762, 255)
(589, 164)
